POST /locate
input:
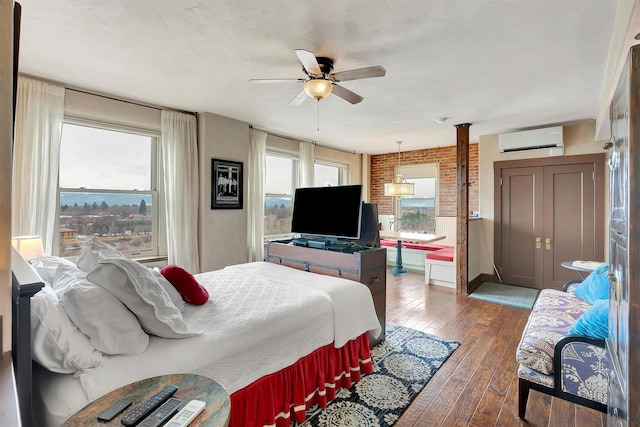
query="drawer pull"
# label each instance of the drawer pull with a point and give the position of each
(373, 281)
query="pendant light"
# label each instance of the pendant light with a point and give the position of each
(399, 186)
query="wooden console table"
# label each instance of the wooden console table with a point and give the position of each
(190, 386)
(367, 266)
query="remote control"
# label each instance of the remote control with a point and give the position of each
(162, 414)
(186, 414)
(114, 410)
(135, 415)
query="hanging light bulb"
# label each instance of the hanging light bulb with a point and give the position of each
(399, 186)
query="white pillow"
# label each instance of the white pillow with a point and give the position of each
(93, 250)
(175, 296)
(46, 266)
(110, 326)
(57, 344)
(135, 285)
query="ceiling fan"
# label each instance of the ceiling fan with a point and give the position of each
(321, 82)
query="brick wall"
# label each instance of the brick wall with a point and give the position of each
(383, 171)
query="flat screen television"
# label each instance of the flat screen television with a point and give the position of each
(330, 212)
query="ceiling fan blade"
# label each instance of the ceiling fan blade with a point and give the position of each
(299, 99)
(346, 94)
(360, 73)
(309, 61)
(276, 80)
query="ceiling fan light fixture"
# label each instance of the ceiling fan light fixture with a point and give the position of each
(318, 88)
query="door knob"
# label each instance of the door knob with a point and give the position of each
(538, 240)
(547, 243)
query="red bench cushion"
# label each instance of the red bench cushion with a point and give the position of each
(409, 245)
(424, 246)
(445, 254)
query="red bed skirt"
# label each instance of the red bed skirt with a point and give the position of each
(275, 399)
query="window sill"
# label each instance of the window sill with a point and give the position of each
(152, 259)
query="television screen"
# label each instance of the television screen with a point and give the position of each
(328, 211)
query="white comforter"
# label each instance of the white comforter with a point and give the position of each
(260, 318)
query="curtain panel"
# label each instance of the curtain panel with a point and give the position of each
(307, 154)
(36, 159)
(179, 153)
(255, 201)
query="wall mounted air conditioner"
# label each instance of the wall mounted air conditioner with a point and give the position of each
(550, 138)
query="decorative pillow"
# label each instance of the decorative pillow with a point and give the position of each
(57, 344)
(191, 291)
(134, 285)
(46, 265)
(110, 326)
(594, 322)
(175, 296)
(93, 250)
(595, 286)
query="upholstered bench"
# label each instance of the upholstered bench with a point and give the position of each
(440, 268)
(412, 253)
(557, 361)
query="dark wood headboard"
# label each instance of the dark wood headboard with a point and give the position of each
(25, 283)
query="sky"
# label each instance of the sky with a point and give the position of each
(94, 158)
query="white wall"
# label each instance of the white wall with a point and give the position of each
(578, 139)
(222, 233)
(6, 127)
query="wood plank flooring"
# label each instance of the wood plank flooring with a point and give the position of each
(477, 385)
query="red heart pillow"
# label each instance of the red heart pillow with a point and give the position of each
(191, 291)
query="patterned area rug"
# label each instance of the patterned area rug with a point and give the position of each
(402, 365)
(516, 296)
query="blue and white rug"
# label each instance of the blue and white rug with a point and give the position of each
(402, 365)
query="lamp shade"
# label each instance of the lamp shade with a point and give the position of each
(27, 246)
(399, 187)
(318, 88)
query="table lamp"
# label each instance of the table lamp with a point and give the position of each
(28, 246)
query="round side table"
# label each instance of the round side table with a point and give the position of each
(190, 386)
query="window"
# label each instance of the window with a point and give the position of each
(107, 188)
(329, 175)
(280, 178)
(417, 213)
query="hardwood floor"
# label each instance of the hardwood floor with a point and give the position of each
(477, 385)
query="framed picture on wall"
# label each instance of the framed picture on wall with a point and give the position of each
(226, 184)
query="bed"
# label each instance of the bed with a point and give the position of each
(266, 330)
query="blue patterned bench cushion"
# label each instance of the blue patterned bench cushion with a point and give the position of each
(550, 320)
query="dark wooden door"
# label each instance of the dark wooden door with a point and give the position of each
(549, 214)
(569, 220)
(522, 226)
(623, 341)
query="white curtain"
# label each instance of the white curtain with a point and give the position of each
(178, 145)
(36, 158)
(255, 201)
(307, 150)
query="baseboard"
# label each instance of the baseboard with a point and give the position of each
(479, 280)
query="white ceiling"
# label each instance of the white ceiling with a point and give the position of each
(500, 65)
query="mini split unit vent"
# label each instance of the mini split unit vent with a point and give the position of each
(550, 138)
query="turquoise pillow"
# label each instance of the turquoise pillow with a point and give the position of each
(595, 286)
(594, 322)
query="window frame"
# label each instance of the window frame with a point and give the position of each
(158, 243)
(424, 170)
(294, 184)
(343, 170)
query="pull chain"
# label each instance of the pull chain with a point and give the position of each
(318, 114)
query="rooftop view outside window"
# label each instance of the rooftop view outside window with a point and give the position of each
(278, 198)
(106, 189)
(418, 213)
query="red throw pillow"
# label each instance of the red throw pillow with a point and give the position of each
(191, 291)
